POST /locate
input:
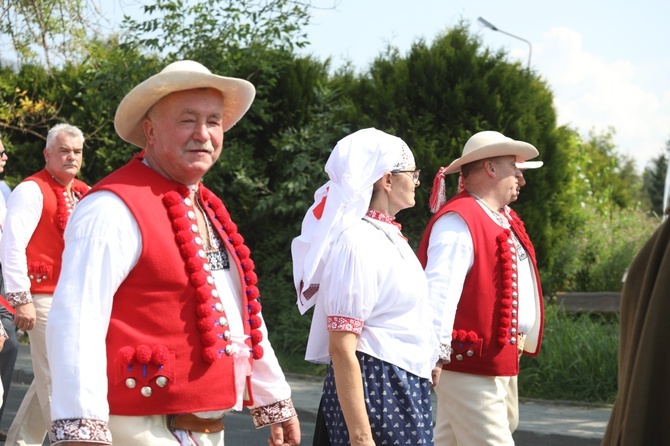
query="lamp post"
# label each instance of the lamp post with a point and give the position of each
(490, 25)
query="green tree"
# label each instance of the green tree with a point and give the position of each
(654, 179)
(48, 32)
(440, 94)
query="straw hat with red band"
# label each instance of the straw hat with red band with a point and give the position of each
(482, 145)
(238, 94)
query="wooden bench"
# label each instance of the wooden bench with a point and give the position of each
(599, 302)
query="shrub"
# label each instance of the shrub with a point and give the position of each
(578, 360)
(598, 253)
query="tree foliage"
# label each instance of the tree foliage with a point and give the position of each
(49, 31)
(654, 180)
(434, 97)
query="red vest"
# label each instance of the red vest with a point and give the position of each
(156, 343)
(484, 334)
(45, 248)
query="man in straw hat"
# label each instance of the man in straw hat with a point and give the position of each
(156, 326)
(484, 290)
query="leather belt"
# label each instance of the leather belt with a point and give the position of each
(190, 422)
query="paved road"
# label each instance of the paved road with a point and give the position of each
(241, 431)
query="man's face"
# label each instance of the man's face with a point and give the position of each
(509, 177)
(63, 158)
(3, 157)
(522, 182)
(184, 134)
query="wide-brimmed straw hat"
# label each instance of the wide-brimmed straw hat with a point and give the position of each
(489, 144)
(238, 95)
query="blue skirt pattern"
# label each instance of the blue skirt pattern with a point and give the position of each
(398, 405)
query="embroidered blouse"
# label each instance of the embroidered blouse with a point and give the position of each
(373, 285)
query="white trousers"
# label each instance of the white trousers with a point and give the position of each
(476, 410)
(153, 431)
(33, 418)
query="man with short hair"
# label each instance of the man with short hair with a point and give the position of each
(156, 330)
(30, 251)
(485, 292)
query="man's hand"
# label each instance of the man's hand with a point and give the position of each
(435, 374)
(25, 317)
(286, 433)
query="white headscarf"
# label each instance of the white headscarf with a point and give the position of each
(356, 163)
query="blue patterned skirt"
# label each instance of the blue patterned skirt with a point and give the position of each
(398, 405)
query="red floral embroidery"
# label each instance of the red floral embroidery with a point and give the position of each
(195, 258)
(341, 323)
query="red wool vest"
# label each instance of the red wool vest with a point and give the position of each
(484, 340)
(46, 245)
(162, 327)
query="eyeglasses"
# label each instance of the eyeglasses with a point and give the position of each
(415, 174)
(2, 153)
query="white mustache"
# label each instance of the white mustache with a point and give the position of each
(194, 145)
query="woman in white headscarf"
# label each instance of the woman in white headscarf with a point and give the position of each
(371, 320)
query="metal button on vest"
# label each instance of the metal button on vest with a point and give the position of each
(198, 241)
(130, 383)
(512, 341)
(194, 229)
(218, 307)
(207, 267)
(188, 202)
(215, 293)
(191, 215)
(146, 391)
(161, 381)
(513, 331)
(469, 353)
(229, 349)
(210, 280)
(202, 254)
(223, 321)
(227, 335)
(459, 357)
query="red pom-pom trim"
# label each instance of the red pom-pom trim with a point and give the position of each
(143, 354)
(159, 355)
(126, 355)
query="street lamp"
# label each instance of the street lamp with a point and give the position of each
(490, 25)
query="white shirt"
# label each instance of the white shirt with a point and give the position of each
(102, 245)
(450, 258)
(5, 190)
(372, 275)
(24, 210)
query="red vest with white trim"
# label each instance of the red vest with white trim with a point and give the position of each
(155, 361)
(45, 248)
(485, 335)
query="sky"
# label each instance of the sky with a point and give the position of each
(607, 62)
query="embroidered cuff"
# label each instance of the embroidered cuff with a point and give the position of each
(80, 429)
(445, 353)
(273, 413)
(19, 298)
(341, 323)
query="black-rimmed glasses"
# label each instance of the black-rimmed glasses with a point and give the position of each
(415, 174)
